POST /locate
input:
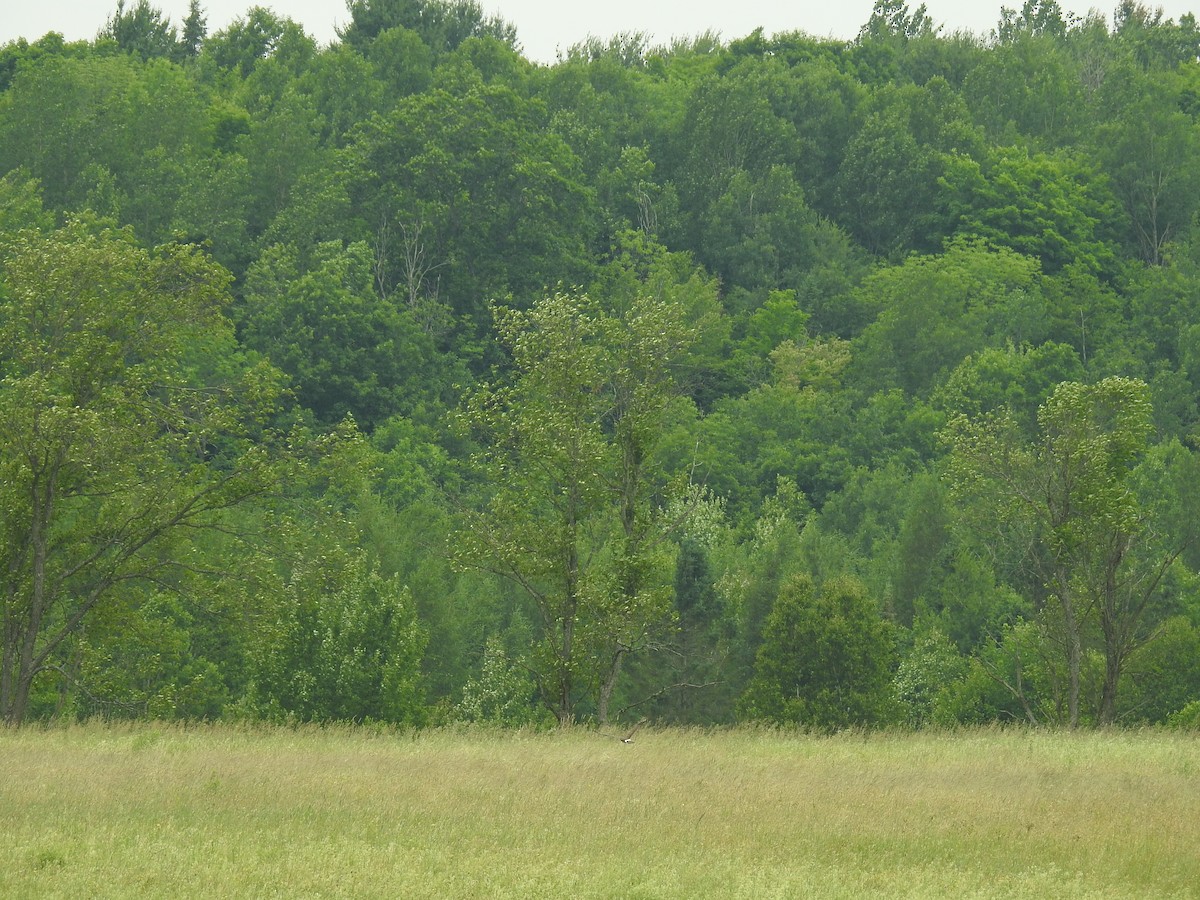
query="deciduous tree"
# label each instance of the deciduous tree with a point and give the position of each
(112, 444)
(1067, 497)
(569, 447)
(825, 660)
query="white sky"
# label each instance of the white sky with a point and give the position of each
(544, 26)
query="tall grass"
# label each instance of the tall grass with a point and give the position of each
(155, 811)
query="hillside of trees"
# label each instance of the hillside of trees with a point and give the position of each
(776, 379)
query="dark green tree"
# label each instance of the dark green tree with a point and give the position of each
(142, 30)
(457, 226)
(348, 351)
(442, 24)
(1148, 146)
(195, 30)
(825, 661)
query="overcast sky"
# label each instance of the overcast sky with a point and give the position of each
(544, 26)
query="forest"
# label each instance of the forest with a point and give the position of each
(776, 379)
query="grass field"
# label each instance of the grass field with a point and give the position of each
(157, 811)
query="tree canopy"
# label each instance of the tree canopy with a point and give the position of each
(405, 379)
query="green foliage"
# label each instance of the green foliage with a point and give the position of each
(1149, 149)
(927, 680)
(456, 226)
(1008, 380)
(140, 659)
(341, 644)
(1052, 207)
(934, 310)
(347, 351)
(1164, 674)
(113, 447)
(443, 25)
(1188, 717)
(251, 39)
(825, 661)
(502, 695)
(806, 260)
(21, 204)
(195, 30)
(889, 181)
(1027, 89)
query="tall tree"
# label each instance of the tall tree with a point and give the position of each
(195, 30)
(569, 447)
(112, 445)
(1067, 498)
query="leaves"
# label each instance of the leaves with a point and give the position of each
(110, 446)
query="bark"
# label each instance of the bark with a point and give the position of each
(19, 659)
(608, 685)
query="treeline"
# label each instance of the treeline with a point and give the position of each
(785, 379)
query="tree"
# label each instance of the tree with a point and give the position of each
(1027, 87)
(250, 39)
(126, 139)
(1149, 148)
(1067, 497)
(341, 644)
(1035, 19)
(141, 30)
(825, 660)
(569, 448)
(1054, 207)
(733, 124)
(893, 19)
(760, 236)
(457, 225)
(935, 310)
(195, 30)
(442, 24)
(348, 351)
(113, 445)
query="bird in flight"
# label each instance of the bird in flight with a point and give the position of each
(628, 739)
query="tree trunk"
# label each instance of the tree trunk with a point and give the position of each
(565, 711)
(1074, 649)
(1074, 659)
(608, 685)
(19, 656)
(1113, 663)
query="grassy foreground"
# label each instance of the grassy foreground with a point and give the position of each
(219, 812)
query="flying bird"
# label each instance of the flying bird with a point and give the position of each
(628, 739)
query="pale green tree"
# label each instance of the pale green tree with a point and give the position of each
(1067, 499)
(568, 447)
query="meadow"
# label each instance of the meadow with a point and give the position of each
(165, 811)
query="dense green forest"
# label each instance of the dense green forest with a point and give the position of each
(781, 378)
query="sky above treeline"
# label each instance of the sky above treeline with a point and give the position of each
(546, 27)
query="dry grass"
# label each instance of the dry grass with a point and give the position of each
(155, 811)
